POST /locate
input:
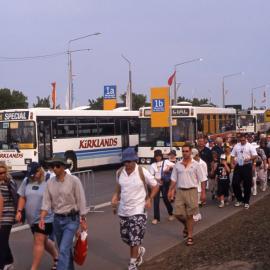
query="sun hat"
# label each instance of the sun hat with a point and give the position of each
(32, 169)
(194, 152)
(129, 154)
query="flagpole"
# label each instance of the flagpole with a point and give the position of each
(170, 118)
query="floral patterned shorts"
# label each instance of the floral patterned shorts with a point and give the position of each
(132, 229)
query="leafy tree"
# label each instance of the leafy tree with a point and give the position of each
(195, 101)
(42, 102)
(12, 99)
(96, 104)
(138, 100)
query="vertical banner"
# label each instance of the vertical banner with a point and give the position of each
(160, 111)
(109, 97)
(53, 95)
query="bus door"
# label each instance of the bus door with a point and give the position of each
(44, 140)
(124, 133)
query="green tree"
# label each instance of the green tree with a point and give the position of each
(96, 104)
(42, 102)
(12, 99)
(138, 100)
(195, 101)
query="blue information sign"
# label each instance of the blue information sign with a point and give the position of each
(110, 92)
(158, 105)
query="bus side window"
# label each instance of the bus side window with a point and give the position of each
(133, 126)
(200, 123)
(117, 127)
(106, 126)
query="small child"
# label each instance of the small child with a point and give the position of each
(223, 180)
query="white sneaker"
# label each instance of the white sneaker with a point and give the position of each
(254, 193)
(197, 217)
(246, 206)
(141, 254)
(171, 218)
(237, 204)
(132, 266)
(155, 221)
(9, 267)
(221, 204)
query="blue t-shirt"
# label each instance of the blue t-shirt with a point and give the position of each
(33, 194)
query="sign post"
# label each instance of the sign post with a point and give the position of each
(109, 97)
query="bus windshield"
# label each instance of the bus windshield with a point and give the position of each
(245, 120)
(17, 134)
(183, 130)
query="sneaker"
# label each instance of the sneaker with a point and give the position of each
(155, 221)
(9, 267)
(171, 218)
(132, 266)
(246, 206)
(197, 217)
(237, 204)
(140, 257)
(221, 204)
(254, 193)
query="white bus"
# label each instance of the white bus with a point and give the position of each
(251, 121)
(85, 138)
(188, 123)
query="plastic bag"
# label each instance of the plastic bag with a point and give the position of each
(80, 248)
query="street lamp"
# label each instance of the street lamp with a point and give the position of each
(252, 93)
(223, 85)
(70, 80)
(129, 90)
(175, 83)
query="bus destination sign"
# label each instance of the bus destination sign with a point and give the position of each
(180, 112)
(7, 116)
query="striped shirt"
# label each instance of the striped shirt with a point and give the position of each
(8, 214)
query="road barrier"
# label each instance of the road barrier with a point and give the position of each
(87, 178)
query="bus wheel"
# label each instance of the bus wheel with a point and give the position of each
(71, 159)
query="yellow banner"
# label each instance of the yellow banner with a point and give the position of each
(160, 107)
(267, 116)
(109, 104)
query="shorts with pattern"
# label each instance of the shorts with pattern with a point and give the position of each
(132, 229)
(186, 202)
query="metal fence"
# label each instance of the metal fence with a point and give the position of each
(87, 178)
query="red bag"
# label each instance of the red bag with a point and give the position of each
(80, 248)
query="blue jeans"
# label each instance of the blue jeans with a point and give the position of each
(64, 229)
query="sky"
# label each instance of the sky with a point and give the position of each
(230, 35)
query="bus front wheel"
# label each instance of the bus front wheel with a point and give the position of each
(71, 159)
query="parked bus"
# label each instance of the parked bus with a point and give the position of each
(251, 121)
(85, 138)
(188, 123)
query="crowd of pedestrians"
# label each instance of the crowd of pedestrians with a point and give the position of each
(53, 201)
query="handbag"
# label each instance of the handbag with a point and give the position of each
(80, 248)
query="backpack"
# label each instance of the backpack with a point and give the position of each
(259, 159)
(118, 173)
(165, 176)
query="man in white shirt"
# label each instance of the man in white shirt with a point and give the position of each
(203, 181)
(185, 178)
(243, 156)
(132, 196)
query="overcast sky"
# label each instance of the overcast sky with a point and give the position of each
(230, 35)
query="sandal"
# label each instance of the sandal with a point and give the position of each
(54, 267)
(189, 241)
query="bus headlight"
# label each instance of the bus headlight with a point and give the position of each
(142, 160)
(27, 160)
(148, 160)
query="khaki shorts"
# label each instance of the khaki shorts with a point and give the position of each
(186, 202)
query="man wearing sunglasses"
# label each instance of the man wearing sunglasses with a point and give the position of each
(65, 196)
(185, 179)
(243, 161)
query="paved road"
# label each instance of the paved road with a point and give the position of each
(106, 251)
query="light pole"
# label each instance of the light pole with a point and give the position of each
(129, 90)
(252, 94)
(70, 80)
(223, 85)
(175, 83)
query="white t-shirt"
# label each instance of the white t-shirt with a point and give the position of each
(133, 193)
(187, 177)
(243, 152)
(155, 168)
(204, 172)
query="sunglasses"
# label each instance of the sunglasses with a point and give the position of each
(1, 173)
(57, 166)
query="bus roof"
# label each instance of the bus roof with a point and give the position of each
(58, 112)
